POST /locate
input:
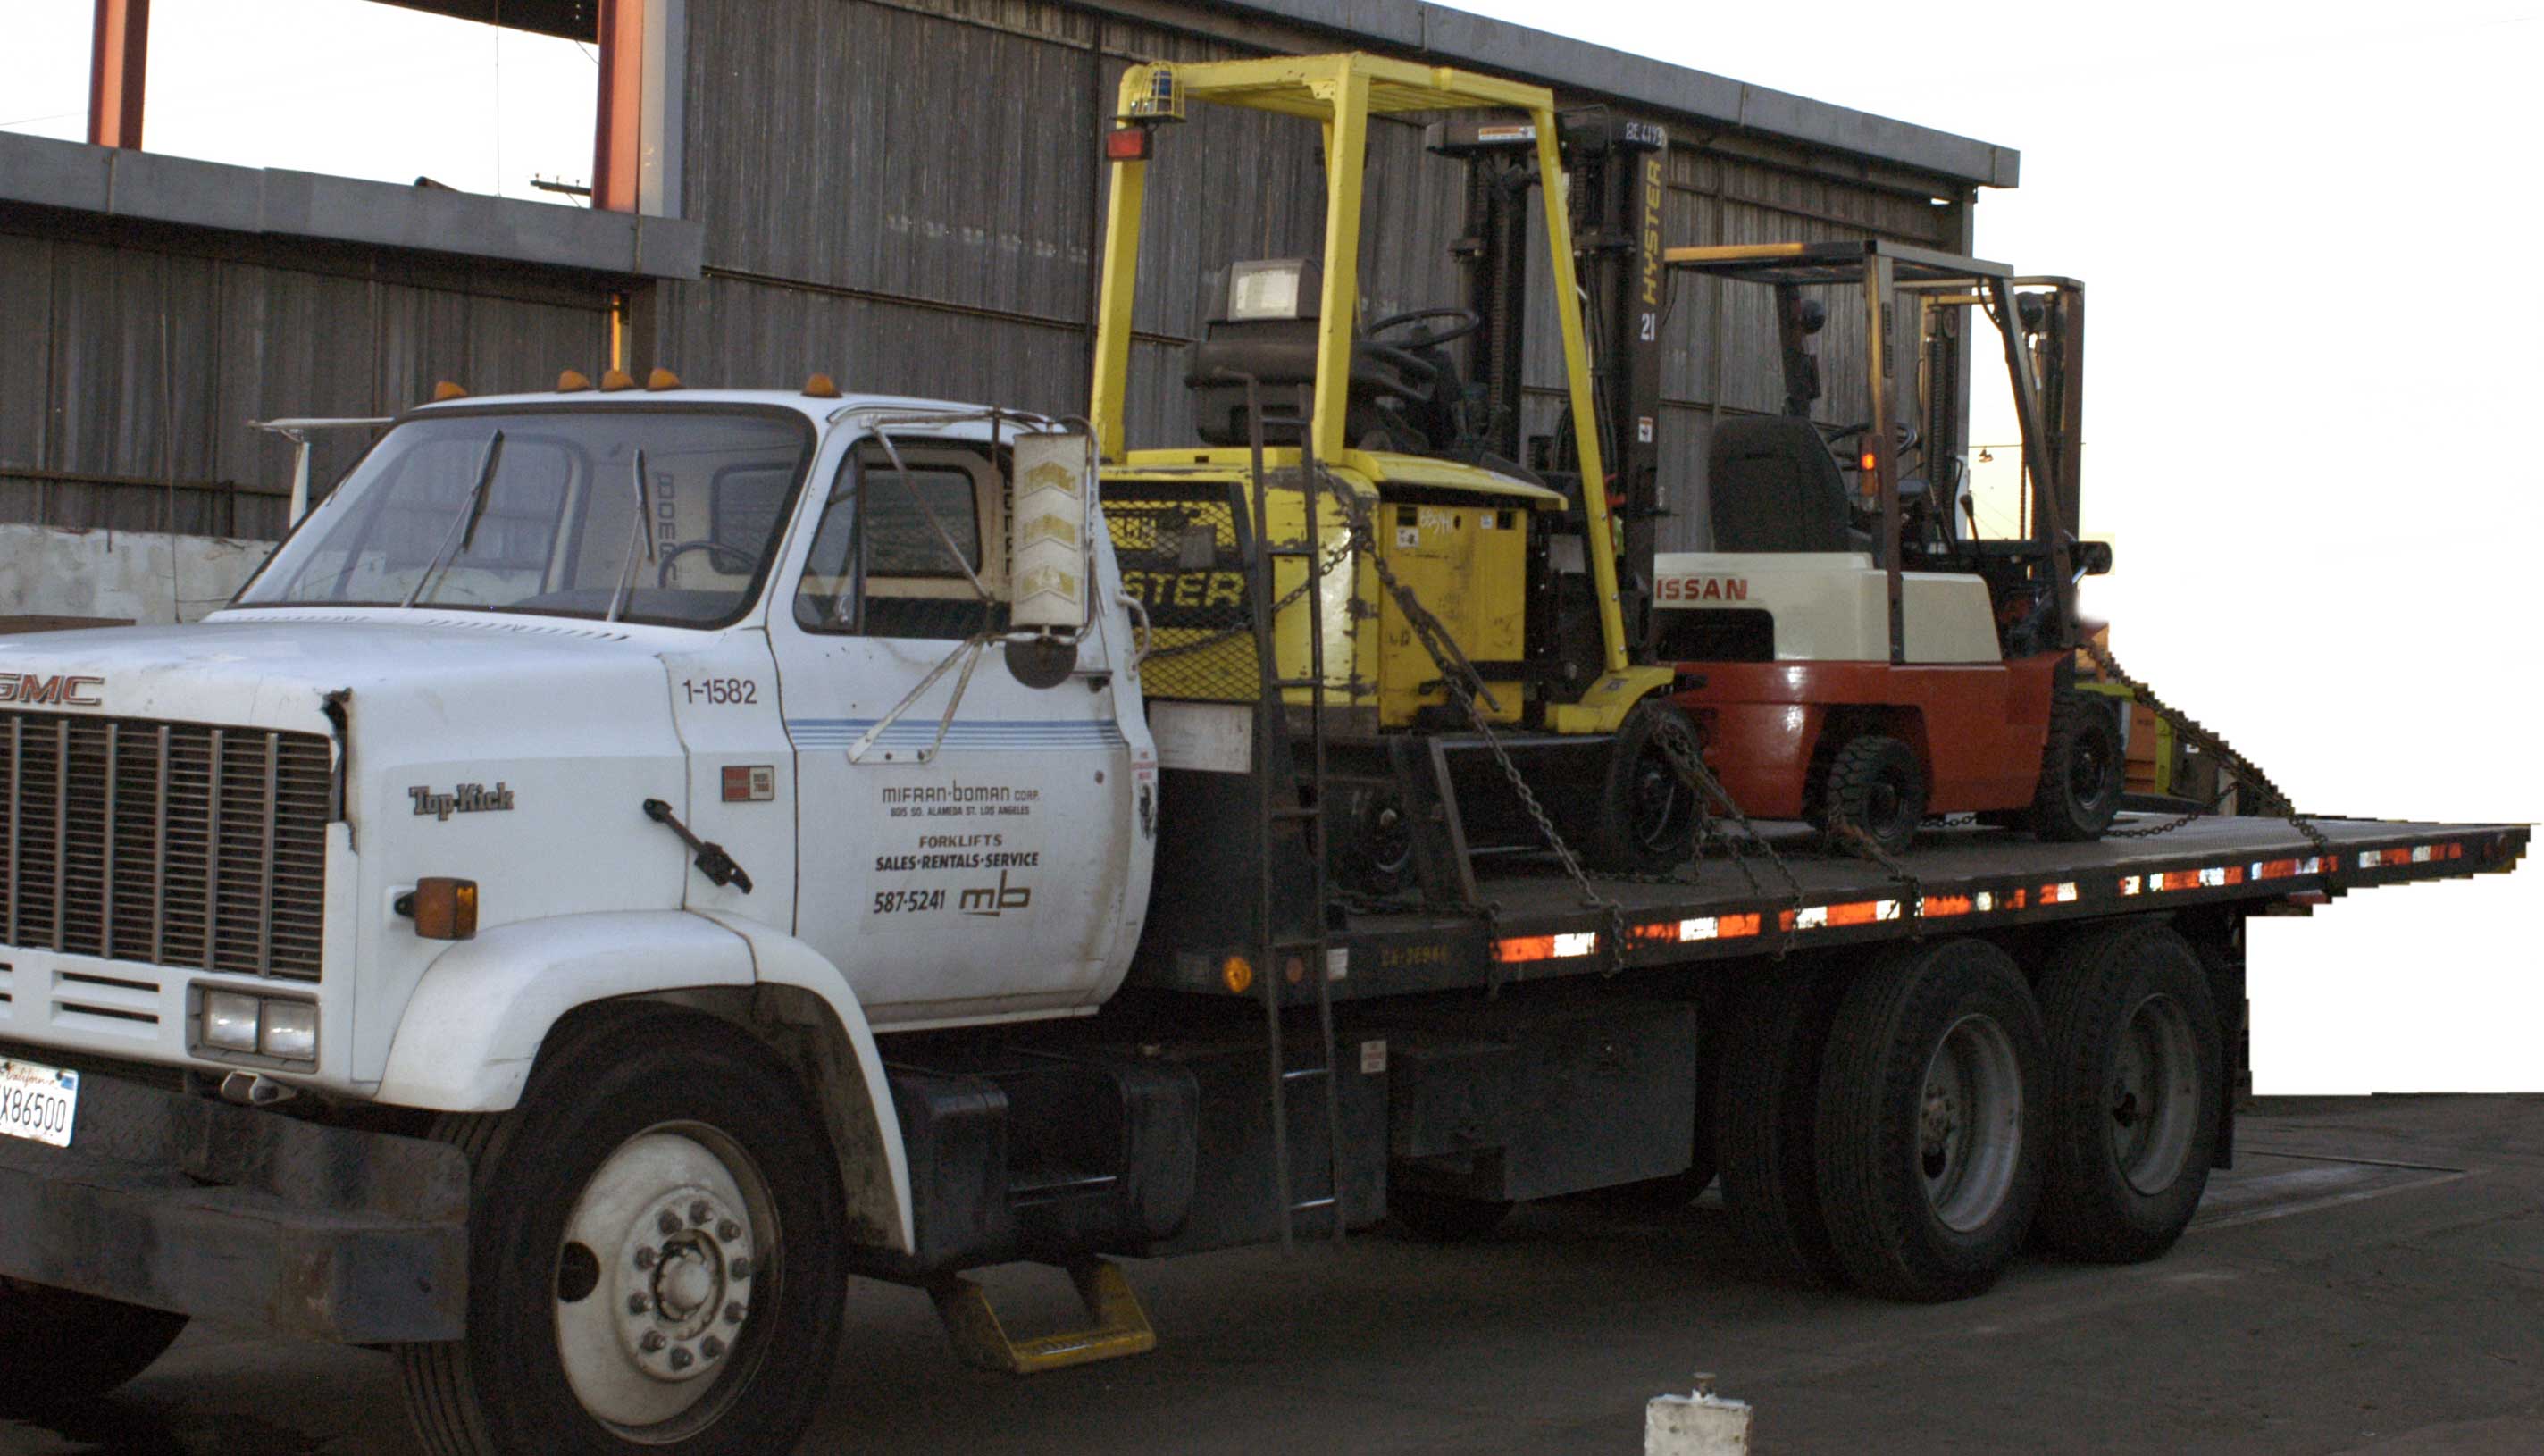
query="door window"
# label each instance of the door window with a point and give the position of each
(896, 549)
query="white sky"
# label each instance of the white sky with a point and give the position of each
(2313, 358)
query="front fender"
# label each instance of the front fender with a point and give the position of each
(874, 1168)
(478, 1017)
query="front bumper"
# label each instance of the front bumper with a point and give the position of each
(228, 1213)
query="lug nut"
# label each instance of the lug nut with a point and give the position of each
(652, 1341)
(733, 1313)
(700, 1212)
(738, 1269)
(728, 1231)
(680, 1357)
(644, 1258)
(667, 1222)
(710, 1348)
(638, 1303)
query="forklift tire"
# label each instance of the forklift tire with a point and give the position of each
(1874, 787)
(1646, 814)
(1444, 1218)
(90, 1345)
(2083, 773)
(653, 1254)
(2132, 1096)
(1765, 1124)
(1373, 853)
(1931, 1148)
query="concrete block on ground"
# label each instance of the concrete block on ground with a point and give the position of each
(1698, 1425)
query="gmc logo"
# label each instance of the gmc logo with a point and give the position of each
(27, 688)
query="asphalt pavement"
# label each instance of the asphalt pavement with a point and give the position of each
(2370, 1279)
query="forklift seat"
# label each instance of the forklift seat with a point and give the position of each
(1773, 486)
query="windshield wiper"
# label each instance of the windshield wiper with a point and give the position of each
(463, 532)
(644, 522)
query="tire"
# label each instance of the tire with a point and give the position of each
(90, 1345)
(650, 1146)
(2136, 1063)
(1929, 1167)
(1646, 816)
(1875, 786)
(1765, 1125)
(2083, 773)
(1373, 853)
(1444, 1218)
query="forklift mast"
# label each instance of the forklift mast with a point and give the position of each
(1618, 172)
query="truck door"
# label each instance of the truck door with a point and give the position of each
(962, 841)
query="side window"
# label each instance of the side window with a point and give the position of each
(895, 550)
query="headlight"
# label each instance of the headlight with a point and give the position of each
(245, 1025)
(230, 1020)
(291, 1030)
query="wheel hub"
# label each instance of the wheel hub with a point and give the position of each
(661, 1257)
(685, 1272)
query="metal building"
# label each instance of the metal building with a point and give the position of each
(903, 194)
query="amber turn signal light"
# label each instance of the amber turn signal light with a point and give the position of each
(443, 909)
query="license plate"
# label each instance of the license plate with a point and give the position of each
(36, 1102)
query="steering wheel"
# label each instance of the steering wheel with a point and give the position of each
(1469, 321)
(724, 555)
(1418, 374)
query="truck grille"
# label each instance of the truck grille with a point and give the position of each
(169, 844)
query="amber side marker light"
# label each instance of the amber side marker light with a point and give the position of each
(1236, 973)
(446, 390)
(822, 386)
(573, 382)
(661, 378)
(613, 380)
(443, 909)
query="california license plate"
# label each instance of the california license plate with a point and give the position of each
(36, 1102)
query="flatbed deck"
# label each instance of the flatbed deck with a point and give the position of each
(1952, 879)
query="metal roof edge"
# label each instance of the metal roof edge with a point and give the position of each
(154, 187)
(1467, 38)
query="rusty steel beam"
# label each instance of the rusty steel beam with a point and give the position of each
(619, 130)
(118, 47)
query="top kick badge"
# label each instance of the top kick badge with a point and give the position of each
(467, 798)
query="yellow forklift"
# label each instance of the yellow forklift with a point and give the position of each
(1351, 581)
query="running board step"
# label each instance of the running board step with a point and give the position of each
(1121, 1325)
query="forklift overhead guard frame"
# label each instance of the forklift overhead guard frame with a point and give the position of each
(1343, 92)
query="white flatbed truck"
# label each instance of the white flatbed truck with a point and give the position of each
(634, 860)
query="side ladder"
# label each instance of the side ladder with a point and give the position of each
(1290, 793)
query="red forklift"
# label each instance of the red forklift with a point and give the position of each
(1860, 655)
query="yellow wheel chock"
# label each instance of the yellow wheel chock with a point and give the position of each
(1121, 1326)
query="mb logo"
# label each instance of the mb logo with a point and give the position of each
(996, 899)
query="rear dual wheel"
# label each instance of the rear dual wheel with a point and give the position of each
(1872, 1121)
(1929, 1164)
(2133, 1091)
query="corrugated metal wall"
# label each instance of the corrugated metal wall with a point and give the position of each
(136, 358)
(903, 194)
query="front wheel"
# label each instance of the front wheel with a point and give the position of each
(654, 1261)
(89, 1345)
(2084, 772)
(1646, 813)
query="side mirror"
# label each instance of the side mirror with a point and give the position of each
(2091, 558)
(1047, 556)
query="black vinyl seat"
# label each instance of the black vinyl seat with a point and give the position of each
(1773, 486)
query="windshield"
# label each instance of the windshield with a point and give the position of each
(537, 511)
